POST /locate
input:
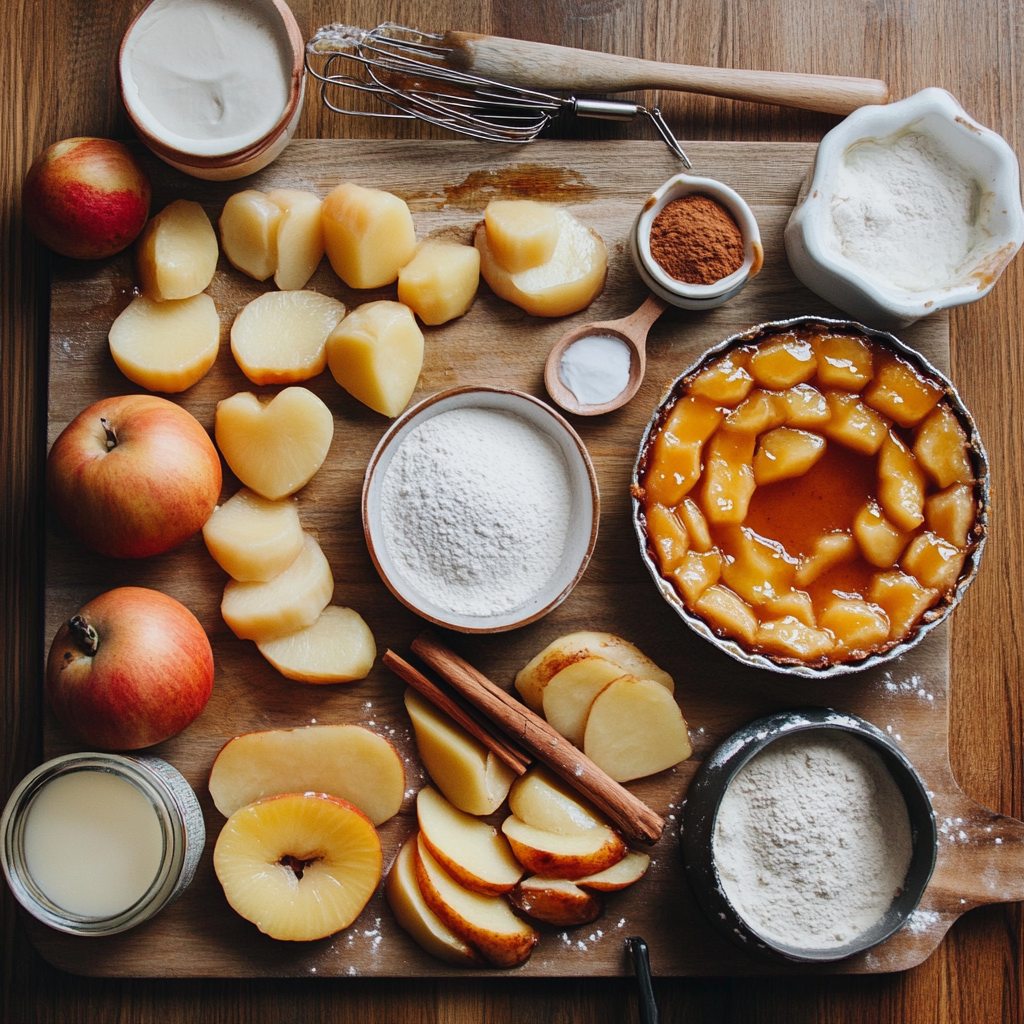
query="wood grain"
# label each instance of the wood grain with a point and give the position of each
(58, 80)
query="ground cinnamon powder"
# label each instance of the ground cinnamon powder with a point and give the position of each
(695, 240)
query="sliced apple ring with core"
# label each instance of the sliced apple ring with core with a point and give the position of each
(346, 761)
(300, 866)
(465, 771)
(337, 648)
(474, 853)
(289, 602)
(635, 728)
(563, 856)
(252, 538)
(556, 901)
(413, 914)
(543, 800)
(484, 922)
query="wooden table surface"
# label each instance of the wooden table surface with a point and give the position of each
(58, 80)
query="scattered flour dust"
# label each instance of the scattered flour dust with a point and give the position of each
(812, 840)
(475, 508)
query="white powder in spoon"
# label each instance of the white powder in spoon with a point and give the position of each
(475, 508)
(595, 368)
(812, 840)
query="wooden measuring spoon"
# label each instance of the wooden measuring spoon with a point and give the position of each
(632, 330)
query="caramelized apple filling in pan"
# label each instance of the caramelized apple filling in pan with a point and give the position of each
(811, 496)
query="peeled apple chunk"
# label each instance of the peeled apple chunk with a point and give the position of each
(368, 235)
(413, 914)
(300, 866)
(287, 603)
(280, 337)
(635, 728)
(337, 648)
(177, 252)
(465, 771)
(248, 232)
(474, 853)
(166, 346)
(274, 448)
(569, 281)
(537, 673)
(439, 283)
(253, 538)
(484, 922)
(300, 237)
(346, 761)
(376, 354)
(521, 233)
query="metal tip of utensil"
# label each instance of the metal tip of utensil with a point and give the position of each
(654, 113)
(640, 955)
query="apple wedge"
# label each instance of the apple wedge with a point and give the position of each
(541, 799)
(474, 853)
(300, 866)
(413, 914)
(635, 728)
(289, 602)
(274, 448)
(484, 922)
(337, 648)
(569, 694)
(166, 346)
(630, 869)
(521, 233)
(556, 901)
(177, 252)
(253, 538)
(465, 771)
(554, 855)
(560, 653)
(346, 761)
(300, 237)
(248, 233)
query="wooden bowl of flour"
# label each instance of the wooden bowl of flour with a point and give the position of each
(480, 509)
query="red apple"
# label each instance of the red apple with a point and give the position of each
(133, 476)
(86, 198)
(132, 668)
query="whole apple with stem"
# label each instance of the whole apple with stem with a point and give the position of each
(133, 476)
(86, 198)
(132, 668)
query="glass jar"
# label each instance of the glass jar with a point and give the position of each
(71, 817)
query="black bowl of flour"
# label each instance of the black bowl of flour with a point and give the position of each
(808, 835)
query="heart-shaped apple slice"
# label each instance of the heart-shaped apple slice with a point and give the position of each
(274, 448)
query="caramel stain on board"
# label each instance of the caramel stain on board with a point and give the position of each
(520, 181)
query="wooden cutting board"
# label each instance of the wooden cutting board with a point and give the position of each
(447, 185)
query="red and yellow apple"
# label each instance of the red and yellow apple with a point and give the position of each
(132, 668)
(86, 198)
(133, 476)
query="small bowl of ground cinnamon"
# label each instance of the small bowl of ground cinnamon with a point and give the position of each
(696, 243)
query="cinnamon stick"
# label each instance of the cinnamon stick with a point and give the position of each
(502, 749)
(631, 814)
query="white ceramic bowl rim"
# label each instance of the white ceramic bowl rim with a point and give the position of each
(978, 149)
(675, 188)
(584, 514)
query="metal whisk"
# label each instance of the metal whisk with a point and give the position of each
(405, 73)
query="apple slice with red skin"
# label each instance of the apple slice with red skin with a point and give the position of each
(413, 914)
(474, 853)
(347, 761)
(133, 476)
(484, 922)
(555, 855)
(300, 866)
(630, 869)
(556, 901)
(132, 668)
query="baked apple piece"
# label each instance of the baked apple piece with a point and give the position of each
(556, 901)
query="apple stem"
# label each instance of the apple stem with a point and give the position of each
(84, 634)
(111, 436)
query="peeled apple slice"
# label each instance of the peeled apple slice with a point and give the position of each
(337, 648)
(253, 538)
(177, 252)
(521, 233)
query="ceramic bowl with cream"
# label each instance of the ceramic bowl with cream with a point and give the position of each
(480, 509)
(214, 87)
(684, 293)
(809, 836)
(910, 208)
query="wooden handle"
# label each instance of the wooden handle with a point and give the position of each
(637, 821)
(543, 66)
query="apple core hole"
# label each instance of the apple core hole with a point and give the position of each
(297, 864)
